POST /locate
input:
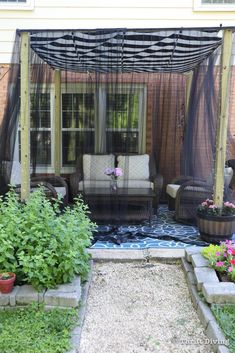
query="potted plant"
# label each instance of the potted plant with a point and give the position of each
(7, 280)
(216, 224)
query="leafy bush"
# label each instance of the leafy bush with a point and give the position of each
(43, 246)
(34, 330)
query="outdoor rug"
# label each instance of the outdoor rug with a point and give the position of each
(164, 232)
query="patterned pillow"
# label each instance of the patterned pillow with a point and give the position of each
(134, 167)
(94, 166)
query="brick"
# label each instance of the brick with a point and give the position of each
(66, 295)
(220, 293)
(13, 296)
(222, 349)
(26, 294)
(191, 251)
(4, 299)
(187, 267)
(194, 295)
(215, 334)
(190, 278)
(199, 261)
(205, 275)
(205, 314)
(65, 299)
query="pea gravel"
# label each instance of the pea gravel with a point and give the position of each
(141, 308)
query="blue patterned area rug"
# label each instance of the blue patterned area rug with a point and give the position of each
(164, 232)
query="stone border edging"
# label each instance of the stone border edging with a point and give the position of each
(64, 296)
(76, 333)
(195, 283)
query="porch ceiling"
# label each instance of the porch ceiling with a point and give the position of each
(124, 50)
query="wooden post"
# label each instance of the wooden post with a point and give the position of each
(25, 116)
(57, 130)
(189, 79)
(222, 126)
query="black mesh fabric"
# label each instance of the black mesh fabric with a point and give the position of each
(123, 92)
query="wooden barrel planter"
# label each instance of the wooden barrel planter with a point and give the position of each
(214, 229)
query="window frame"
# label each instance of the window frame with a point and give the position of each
(21, 6)
(43, 168)
(74, 88)
(199, 6)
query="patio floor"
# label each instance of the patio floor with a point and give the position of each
(164, 232)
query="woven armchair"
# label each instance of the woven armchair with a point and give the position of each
(186, 193)
(53, 185)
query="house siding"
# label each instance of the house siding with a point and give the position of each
(74, 14)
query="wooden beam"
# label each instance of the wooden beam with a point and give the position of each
(222, 125)
(57, 130)
(25, 116)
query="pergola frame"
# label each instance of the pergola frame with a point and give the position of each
(221, 139)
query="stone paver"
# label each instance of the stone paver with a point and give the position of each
(199, 261)
(187, 267)
(222, 349)
(205, 275)
(220, 293)
(215, 335)
(191, 251)
(26, 294)
(4, 299)
(205, 314)
(66, 295)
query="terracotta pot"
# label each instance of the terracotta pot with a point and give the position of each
(214, 229)
(6, 285)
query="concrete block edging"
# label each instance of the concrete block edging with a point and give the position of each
(192, 264)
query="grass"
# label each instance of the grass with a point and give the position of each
(34, 330)
(225, 316)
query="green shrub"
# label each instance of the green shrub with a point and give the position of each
(42, 245)
(209, 252)
(34, 330)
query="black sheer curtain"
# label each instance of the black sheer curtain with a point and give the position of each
(123, 92)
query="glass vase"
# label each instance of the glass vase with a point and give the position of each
(113, 185)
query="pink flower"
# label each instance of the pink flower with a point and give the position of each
(230, 269)
(218, 253)
(219, 263)
(118, 172)
(212, 206)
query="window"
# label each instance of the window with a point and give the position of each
(122, 122)
(78, 117)
(214, 5)
(89, 122)
(16, 4)
(103, 121)
(40, 129)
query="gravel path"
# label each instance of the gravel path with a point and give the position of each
(141, 308)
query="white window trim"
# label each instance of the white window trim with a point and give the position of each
(199, 6)
(19, 6)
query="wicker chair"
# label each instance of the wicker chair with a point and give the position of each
(186, 193)
(53, 185)
(81, 179)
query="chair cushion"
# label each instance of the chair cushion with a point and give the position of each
(135, 183)
(60, 190)
(228, 174)
(93, 184)
(171, 190)
(134, 167)
(15, 173)
(94, 166)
